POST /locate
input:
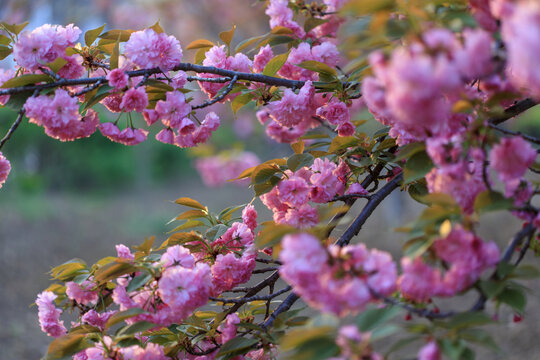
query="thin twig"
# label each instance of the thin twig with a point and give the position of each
(13, 127)
(513, 111)
(366, 212)
(88, 89)
(515, 133)
(284, 306)
(220, 97)
(207, 79)
(252, 298)
(264, 270)
(350, 196)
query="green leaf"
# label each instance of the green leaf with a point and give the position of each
(298, 161)
(367, 7)
(5, 52)
(157, 28)
(492, 288)
(227, 36)
(138, 327)
(465, 320)
(115, 55)
(57, 64)
(272, 233)
(67, 345)
(240, 101)
(452, 349)
(370, 319)
(101, 94)
(245, 43)
(188, 225)
(191, 214)
(488, 201)
(226, 214)
(190, 203)
(513, 297)
(409, 150)
(236, 346)
(91, 35)
(417, 167)
(479, 336)
(275, 64)
(418, 190)
(526, 272)
(117, 35)
(4, 40)
(138, 281)
(123, 315)
(26, 79)
(14, 28)
(113, 270)
(200, 44)
(263, 173)
(215, 232)
(341, 143)
(180, 238)
(318, 67)
(313, 22)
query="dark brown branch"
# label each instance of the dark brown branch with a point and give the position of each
(515, 133)
(426, 313)
(351, 196)
(13, 127)
(366, 212)
(264, 270)
(270, 80)
(513, 110)
(284, 306)
(252, 298)
(220, 97)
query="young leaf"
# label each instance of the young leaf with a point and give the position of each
(190, 203)
(67, 345)
(200, 44)
(227, 36)
(275, 64)
(91, 35)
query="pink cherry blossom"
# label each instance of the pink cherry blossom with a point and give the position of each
(123, 252)
(92, 317)
(335, 112)
(148, 49)
(44, 45)
(173, 110)
(5, 168)
(185, 289)
(118, 78)
(150, 352)
(249, 217)
(419, 281)
(520, 31)
(83, 293)
(262, 58)
(293, 108)
(430, 351)
(178, 256)
(229, 270)
(135, 99)
(511, 158)
(49, 315)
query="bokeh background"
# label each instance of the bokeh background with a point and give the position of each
(66, 200)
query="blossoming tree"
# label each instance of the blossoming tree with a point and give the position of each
(441, 76)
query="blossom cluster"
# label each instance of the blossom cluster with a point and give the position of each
(339, 281)
(414, 90)
(465, 257)
(289, 200)
(218, 170)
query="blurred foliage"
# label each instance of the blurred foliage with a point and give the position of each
(96, 163)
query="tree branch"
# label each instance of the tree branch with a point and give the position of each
(514, 110)
(220, 97)
(366, 212)
(244, 300)
(270, 80)
(12, 128)
(515, 133)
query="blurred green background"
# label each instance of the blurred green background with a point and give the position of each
(79, 199)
